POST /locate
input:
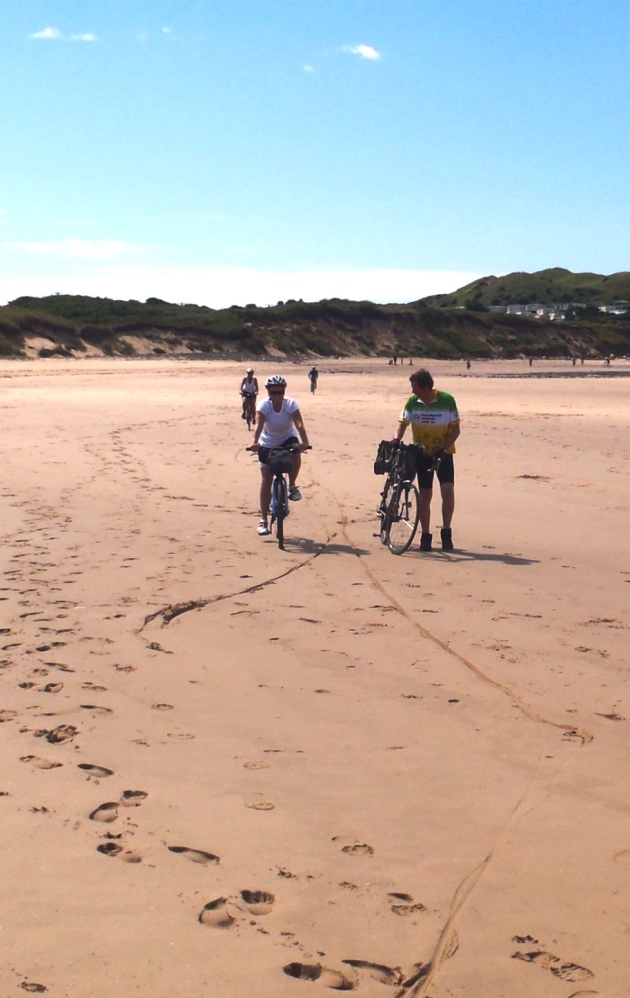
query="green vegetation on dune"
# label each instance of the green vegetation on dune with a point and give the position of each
(442, 326)
(545, 287)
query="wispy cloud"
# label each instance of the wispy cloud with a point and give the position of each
(50, 34)
(78, 249)
(364, 51)
(308, 69)
(55, 35)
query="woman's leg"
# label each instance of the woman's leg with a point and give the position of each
(265, 491)
(295, 470)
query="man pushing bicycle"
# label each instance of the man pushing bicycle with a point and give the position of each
(435, 427)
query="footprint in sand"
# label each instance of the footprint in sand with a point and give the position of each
(161, 706)
(358, 849)
(96, 709)
(32, 988)
(403, 904)
(379, 971)
(216, 914)
(107, 812)
(195, 855)
(315, 972)
(565, 970)
(7, 715)
(26, 686)
(623, 856)
(258, 902)
(52, 688)
(113, 849)
(133, 798)
(260, 805)
(40, 763)
(256, 765)
(62, 733)
(98, 771)
(93, 687)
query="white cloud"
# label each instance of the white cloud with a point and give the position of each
(73, 249)
(54, 34)
(48, 33)
(364, 51)
(308, 69)
(220, 287)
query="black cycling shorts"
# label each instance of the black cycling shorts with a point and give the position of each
(445, 474)
(263, 452)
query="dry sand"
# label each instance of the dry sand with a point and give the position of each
(233, 771)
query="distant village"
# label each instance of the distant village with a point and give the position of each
(558, 312)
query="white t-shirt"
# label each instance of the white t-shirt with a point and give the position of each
(278, 425)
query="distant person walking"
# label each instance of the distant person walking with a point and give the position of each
(435, 427)
(313, 375)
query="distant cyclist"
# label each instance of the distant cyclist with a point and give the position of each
(249, 391)
(313, 375)
(277, 420)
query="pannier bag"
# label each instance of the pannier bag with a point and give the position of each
(384, 457)
(280, 459)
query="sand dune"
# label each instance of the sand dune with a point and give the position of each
(233, 770)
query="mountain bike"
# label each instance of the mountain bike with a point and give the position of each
(281, 462)
(399, 508)
(249, 408)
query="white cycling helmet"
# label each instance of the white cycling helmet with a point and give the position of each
(250, 370)
(276, 380)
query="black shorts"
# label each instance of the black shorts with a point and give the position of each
(263, 452)
(446, 471)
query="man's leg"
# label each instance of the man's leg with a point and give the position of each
(448, 503)
(425, 509)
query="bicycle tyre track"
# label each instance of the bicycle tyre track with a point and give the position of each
(173, 610)
(418, 985)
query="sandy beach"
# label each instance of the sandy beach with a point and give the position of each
(231, 770)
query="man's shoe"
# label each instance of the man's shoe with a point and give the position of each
(263, 529)
(447, 539)
(425, 542)
(294, 494)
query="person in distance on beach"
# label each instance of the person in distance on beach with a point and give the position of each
(248, 390)
(435, 427)
(277, 419)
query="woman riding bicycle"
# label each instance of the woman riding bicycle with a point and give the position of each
(249, 391)
(277, 419)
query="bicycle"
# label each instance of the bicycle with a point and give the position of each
(249, 408)
(313, 385)
(399, 508)
(280, 462)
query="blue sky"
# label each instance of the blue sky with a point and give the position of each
(233, 151)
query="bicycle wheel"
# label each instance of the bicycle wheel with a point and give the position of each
(401, 519)
(281, 508)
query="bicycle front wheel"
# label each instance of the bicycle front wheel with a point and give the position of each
(281, 509)
(401, 519)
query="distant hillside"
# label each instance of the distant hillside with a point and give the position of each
(75, 325)
(555, 286)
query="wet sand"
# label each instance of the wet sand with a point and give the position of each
(232, 770)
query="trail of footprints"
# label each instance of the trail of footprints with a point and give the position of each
(227, 912)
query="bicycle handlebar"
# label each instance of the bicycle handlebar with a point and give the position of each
(292, 450)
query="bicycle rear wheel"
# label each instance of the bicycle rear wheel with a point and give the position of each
(281, 509)
(401, 519)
